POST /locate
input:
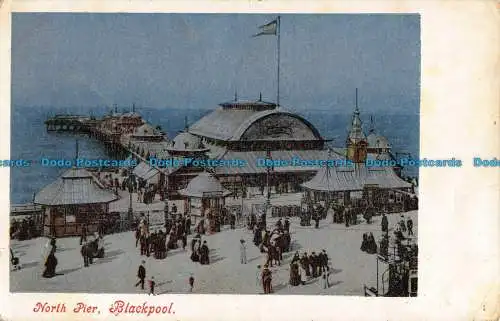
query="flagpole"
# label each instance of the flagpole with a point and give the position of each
(278, 76)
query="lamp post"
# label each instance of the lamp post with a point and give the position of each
(377, 273)
(130, 213)
(268, 178)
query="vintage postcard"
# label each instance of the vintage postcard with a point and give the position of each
(260, 160)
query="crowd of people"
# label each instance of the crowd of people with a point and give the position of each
(92, 248)
(24, 229)
(306, 267)
(274, 242)
(402, 227)
(369, 245)
(199, 250)
(315, 212)
(177, 228)
(132, 183)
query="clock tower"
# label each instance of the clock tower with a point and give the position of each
(356, 141)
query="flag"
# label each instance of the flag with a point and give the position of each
(270, 28)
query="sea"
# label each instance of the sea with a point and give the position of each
(31, 141)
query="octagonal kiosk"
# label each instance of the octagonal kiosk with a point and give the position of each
(205, 198)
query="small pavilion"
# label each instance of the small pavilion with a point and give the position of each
(205, 199)
(378, 186)
(74, 199)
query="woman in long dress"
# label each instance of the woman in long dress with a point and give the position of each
(302, 273)
(294, 274)
(50, 261)
(195, 254)
(364, 243)
(372, 245)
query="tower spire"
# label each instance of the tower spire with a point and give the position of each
(235, 95)
(186, 123)
(260, 96)
(357, 108)
(372, 126)
(133, 107)
(356, 141)
(356, 121)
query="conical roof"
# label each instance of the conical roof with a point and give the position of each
(356, 133)
(339, 179)
(75, 186)
(204, 185)
(186, 141)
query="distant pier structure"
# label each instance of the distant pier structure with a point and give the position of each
(71, 123)
(118, 132)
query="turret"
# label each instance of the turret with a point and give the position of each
(356, 141)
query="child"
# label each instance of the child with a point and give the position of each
(14, 260)
(258, 276)
(191, 283)
(152, 286)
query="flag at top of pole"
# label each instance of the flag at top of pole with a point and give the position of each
(273, 28)
(270, 28)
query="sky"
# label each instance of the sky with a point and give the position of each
(200, 60)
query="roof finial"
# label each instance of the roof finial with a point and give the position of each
(116, 108)
(186, 123)
(372, 127)
(235, 95)
(260, 96)
(133, 107)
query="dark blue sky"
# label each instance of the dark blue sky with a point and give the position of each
(198, 60)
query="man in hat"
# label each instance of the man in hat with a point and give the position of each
(187, 223)
(385, 224)
(313, 260)
(204, 254)
(232, 219)
(325, 261)
(152, 284)
(266, 279)
(402, 223)
(286, 225)
(279, 225)
(141, 274)
(316, 217)
(304, 261)
(347, 216)
(85, 254)
(409, 225)
(83, 236)
(384, 245)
